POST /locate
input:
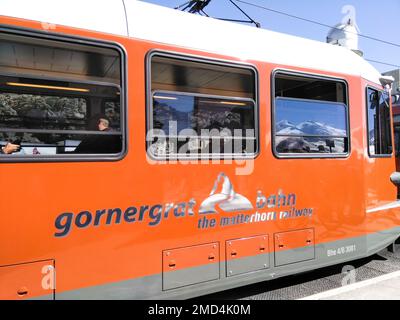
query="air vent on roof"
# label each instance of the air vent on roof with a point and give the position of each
(345, 35)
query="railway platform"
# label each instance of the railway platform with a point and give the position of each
(385, 287)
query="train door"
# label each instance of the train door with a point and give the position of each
(380, 191)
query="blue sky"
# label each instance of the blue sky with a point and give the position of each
(378, 19)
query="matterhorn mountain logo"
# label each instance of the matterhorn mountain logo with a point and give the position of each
(227, 199)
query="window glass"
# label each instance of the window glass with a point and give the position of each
(112, 109)
(37, 122)
(193, 124)
(179, 75)
(42, 112)
(58, 98)
(310, 116)
(379, 122)
(290, 86)
(207, 110)
(306, 126)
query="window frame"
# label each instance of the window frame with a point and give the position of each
(209, 61)
(384, 155)
(76, 40)
(290, 72)
(397, 146)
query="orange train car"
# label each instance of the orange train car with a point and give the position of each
(150, 153)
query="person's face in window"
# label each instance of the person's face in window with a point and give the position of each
(103, 124)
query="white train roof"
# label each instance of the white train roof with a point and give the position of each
(155, 23)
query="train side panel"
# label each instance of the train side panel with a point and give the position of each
(151, 239)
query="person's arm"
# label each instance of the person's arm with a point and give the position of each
(10, 148)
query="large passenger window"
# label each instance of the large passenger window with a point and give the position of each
(201, 109)
(310, 116)
(59, 99)
(379, 123)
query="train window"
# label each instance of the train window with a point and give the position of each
(59, 99)
(310, 116)
(201, 109)
(379, 123)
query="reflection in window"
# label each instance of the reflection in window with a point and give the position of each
(310, 116)
(309, 126)
(379, 123)
(59, 111)
(201, 124)
(44, 124)
(30, 114)
(42, 111)
(112, 112)
(201, 108)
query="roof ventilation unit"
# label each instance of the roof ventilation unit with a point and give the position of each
(345, 35)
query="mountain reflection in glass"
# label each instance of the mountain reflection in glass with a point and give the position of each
(310, 126)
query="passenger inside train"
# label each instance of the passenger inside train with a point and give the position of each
(49, 100)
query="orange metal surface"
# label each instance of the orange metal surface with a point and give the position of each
(337, 190)
(246, 247)
(188, 257)
(294, 239)
(28, 280)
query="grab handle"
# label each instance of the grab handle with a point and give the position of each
(395, 178)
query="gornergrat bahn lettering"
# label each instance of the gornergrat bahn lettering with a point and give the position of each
(155, 213)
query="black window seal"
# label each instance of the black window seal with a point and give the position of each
(384, 155)
(210, 61)
(291, 72)
(66, 38)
